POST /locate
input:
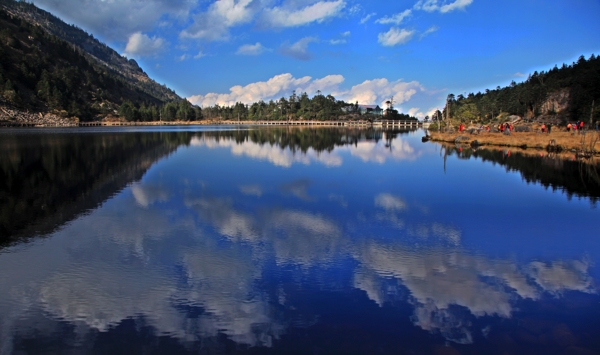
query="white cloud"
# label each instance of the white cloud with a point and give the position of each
(298, 50)
(395, 19)
(290, 17)
(443, 7)
(354, 10)
(330, 83)
(254, 92)
(429, 31)
(214, 24)
(182, 57)
(519, 75)
(117, 20)
(375, 91)
(251, 49)
(395, 36)
(367, 18)
(199, 55)
(140, 44)
(342, 40)
(414, 112)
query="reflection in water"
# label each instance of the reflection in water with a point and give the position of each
(49, 179)
(377, 252)
(572, 176)
(440, 279)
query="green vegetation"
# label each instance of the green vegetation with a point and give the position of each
(567, 93)
(297, 107)
(40, 72)
(92, 49)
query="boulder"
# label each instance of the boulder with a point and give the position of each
(460, 139)
(522, 129)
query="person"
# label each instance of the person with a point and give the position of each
(581, 126)
(461, 127)
(569, 127)
(574, 127)
(549, 128)
(543, 128)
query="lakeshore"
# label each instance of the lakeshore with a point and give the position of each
(585, 143)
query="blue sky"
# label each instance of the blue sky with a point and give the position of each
(418, 51)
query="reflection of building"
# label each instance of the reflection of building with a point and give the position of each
(372, 109)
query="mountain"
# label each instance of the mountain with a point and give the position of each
(100, 52)
(49, 66)
(568, 93)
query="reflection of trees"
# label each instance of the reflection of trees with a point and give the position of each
(303, 139)
(48, 179)
(574, 177)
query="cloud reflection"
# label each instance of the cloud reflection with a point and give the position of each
(440, 279)
(271, 153)
(146, 195)
(377, 152)
(251, 190)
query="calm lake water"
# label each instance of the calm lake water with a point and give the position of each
(250, 240)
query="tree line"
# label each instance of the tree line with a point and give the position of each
(320, 107)
(580, 82)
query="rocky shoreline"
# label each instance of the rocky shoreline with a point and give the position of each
(10, 117)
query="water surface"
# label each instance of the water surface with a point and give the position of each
(292, 240)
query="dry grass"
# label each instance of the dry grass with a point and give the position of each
(566, 140)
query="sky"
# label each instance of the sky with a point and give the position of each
(418, 51)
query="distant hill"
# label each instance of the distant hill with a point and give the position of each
(49, 66)
(562, 94)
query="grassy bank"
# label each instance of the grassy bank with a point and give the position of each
(557, 141)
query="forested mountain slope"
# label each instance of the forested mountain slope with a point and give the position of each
(93, 49)
(42, 73)
(561, 94)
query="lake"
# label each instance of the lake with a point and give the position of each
(286, 240)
